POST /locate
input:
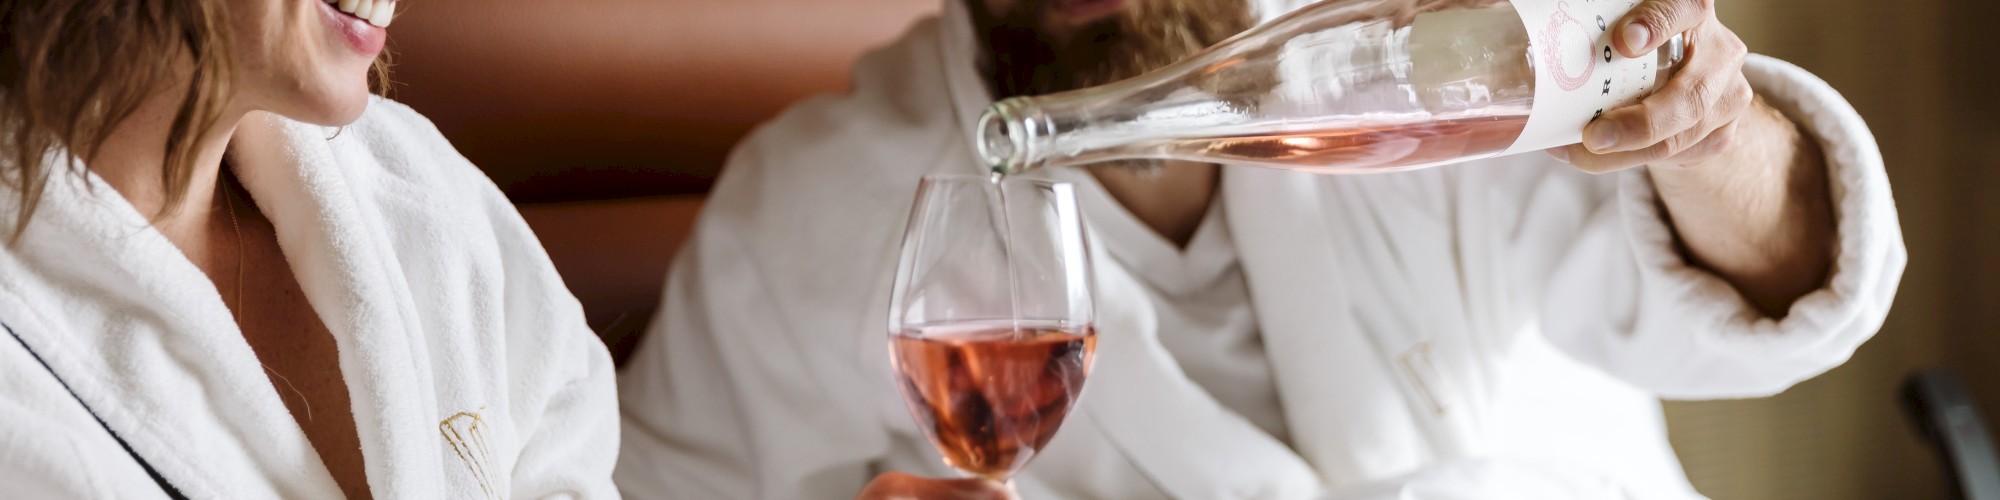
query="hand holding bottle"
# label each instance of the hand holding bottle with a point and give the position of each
(1696, 116)
(1746, 188)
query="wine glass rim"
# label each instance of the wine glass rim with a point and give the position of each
(1034, 321)
(957, 178)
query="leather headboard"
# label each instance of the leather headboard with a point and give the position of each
(583, 100)
(568, 104)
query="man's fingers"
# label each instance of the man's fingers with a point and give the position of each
(1702, 105)
(1710, 88)
(1729, 104)
(1653, 22)
(1692, 115)
(1595, 163)
(1699, 144)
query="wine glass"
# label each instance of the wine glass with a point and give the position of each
(990, 323)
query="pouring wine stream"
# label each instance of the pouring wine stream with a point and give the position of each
(1007, 247)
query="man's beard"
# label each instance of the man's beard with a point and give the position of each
(1147, 35)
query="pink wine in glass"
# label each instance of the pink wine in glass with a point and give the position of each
(991, 394)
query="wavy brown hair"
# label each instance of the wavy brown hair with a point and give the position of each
(71, 70)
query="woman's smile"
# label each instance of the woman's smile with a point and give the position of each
(362, 23)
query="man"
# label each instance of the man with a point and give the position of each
(1501, 326)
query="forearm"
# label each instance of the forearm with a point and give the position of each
(1759, 214)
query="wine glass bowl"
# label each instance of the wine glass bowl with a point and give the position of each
(991, 328)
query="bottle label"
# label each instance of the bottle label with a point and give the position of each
(1578, 75)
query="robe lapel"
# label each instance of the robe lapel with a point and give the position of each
(143, 339)
(1400, 243)
(1171, 429)
(1350, 342)
(345, 266)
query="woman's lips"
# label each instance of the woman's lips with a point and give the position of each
(360, 22)
(376, 12)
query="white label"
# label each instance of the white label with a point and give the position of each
(1578, 75)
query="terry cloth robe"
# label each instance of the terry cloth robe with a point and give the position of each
(1509, 322)
(470, 368)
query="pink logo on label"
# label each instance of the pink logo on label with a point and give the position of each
(1565, 32)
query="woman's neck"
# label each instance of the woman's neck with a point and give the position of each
(133, 158)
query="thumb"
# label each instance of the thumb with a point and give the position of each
(1653, 22)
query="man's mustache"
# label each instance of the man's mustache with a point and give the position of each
(1146, 35)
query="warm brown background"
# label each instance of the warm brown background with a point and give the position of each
(1919, 72)
(604, 118)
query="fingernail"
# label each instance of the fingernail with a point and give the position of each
(1560, 154)
(1601, 135)
(1636, 36)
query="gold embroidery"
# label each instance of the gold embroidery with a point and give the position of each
(467, 439)
(1424, 375)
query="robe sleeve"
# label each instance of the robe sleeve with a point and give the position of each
(719, 400)
(1621, 298)
(1502, 479)
(572, 452)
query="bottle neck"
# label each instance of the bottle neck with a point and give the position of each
(1123, 120)
(1024, 133)
(1015, 136)
(1673, 53)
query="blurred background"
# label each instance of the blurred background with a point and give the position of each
(1917, 74)
(607, 120)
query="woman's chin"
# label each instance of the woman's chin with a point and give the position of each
(332, 112)
(332, 85)
(347, 113)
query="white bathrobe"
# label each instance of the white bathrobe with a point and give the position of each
(1500, 328)
(470, 368)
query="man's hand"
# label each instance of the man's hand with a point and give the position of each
(1689, 120)
(1745, 190)
(900, 486)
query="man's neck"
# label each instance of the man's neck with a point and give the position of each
(1172, 200)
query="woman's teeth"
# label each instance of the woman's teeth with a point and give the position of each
(376, 12)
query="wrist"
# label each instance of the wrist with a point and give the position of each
(1749, 182)
(1759, 212)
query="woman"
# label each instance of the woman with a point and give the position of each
(231, 272)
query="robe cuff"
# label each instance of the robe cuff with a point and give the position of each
(1823, 328)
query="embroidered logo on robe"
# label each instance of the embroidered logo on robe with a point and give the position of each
(1425, 377)
(464, 432)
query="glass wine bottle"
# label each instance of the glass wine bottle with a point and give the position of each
(1350, 86)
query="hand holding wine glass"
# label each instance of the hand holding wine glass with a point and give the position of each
(990, 326)
(900, 486)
